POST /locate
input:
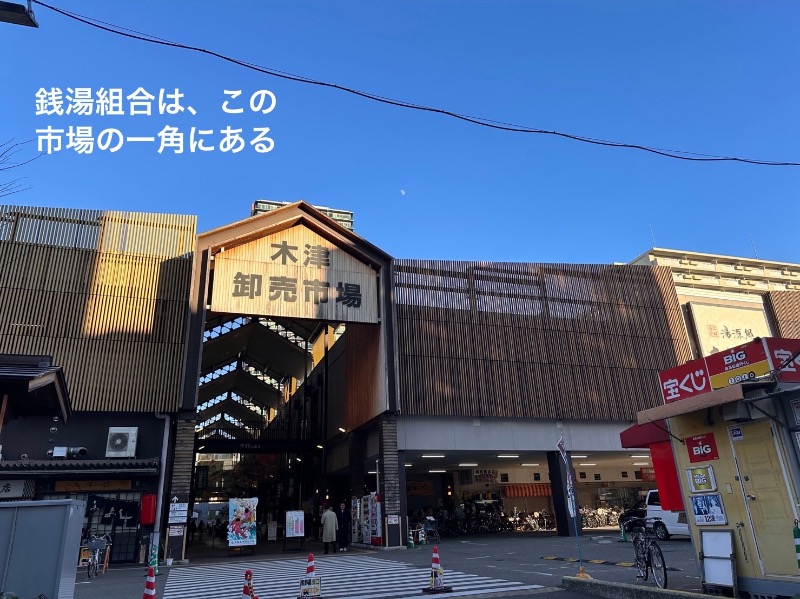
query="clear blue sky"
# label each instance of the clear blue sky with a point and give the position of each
(711, 77)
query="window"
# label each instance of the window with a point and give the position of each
(653, 499)
(624, 474)
(597, 477)
(504, 477)
(638, 474)
(581, 475)
(537, 476)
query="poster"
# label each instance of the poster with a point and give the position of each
(708, 509)
(295, 524)
(701, 479)
(311, 587)
(242, 528)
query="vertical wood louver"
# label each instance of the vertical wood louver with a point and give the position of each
(106, 294)
(515, 340)
(785, 306)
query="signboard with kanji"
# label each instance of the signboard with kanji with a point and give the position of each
(738, 364)
(781, 352)
(684, 381)
(295, 273)
(722, 327)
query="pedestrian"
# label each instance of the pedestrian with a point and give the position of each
(344, 520)
(192, 529)
(201, 528)
(329, 527)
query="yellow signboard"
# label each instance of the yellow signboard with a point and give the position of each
(294, 273)
(78, 486)
(739, 375)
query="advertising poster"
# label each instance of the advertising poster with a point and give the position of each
(242, 528)
(295, 524)
(701, 479)
(707, 509)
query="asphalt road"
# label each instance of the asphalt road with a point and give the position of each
(512, 556)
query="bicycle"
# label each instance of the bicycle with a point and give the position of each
(649, 557)
(95, 546)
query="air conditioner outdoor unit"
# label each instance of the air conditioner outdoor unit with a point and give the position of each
(121, 442)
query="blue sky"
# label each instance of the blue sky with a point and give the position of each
(710, 77)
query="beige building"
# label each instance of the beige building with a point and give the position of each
(724, 298)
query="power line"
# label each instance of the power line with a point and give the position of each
(476, 120)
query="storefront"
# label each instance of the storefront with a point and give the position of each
(736, 456)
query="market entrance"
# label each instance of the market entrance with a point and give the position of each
(293, 371)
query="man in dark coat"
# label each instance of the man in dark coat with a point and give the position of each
(343, 515)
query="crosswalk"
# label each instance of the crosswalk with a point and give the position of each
(344, 577)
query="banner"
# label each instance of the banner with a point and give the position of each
(113, 512)
(242, 529)
(568, 467)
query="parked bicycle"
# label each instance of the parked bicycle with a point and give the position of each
(97, 548)
(648, 554)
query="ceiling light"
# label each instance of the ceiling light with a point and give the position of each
(640, 456)
(587, 464)
(466, 465)
(409, 465)
(437, 471)
(319, 446)
(298, 459)
(432, 456)
(341, 430)
(578, 456)
(508, 455)
(372, 472)
(641, 463)
(531, 465)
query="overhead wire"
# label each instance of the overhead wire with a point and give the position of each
(476, 120)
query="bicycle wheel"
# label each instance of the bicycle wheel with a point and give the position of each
(91, 568)
(656, 559)
(640, 550)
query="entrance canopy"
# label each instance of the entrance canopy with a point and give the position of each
(265, 288)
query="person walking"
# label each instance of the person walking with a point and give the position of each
(344, 520)
(329, 527)
(192, 529)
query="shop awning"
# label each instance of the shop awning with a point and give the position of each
(644, 435)
(527, 490)
(694, 404)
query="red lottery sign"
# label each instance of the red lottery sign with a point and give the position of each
(702, 448)
(684, 381)
(780, 351)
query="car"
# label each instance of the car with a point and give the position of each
(671, 523)
(637, 510)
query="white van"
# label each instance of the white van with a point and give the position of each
(672, 523)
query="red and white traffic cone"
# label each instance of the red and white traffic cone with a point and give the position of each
(150, 584)
(437, 576)
(310, 566)
(247, 589)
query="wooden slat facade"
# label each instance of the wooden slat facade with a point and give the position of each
(534, 341)
(785, 307)
(106, 294)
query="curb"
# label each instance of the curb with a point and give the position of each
(621, 590)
